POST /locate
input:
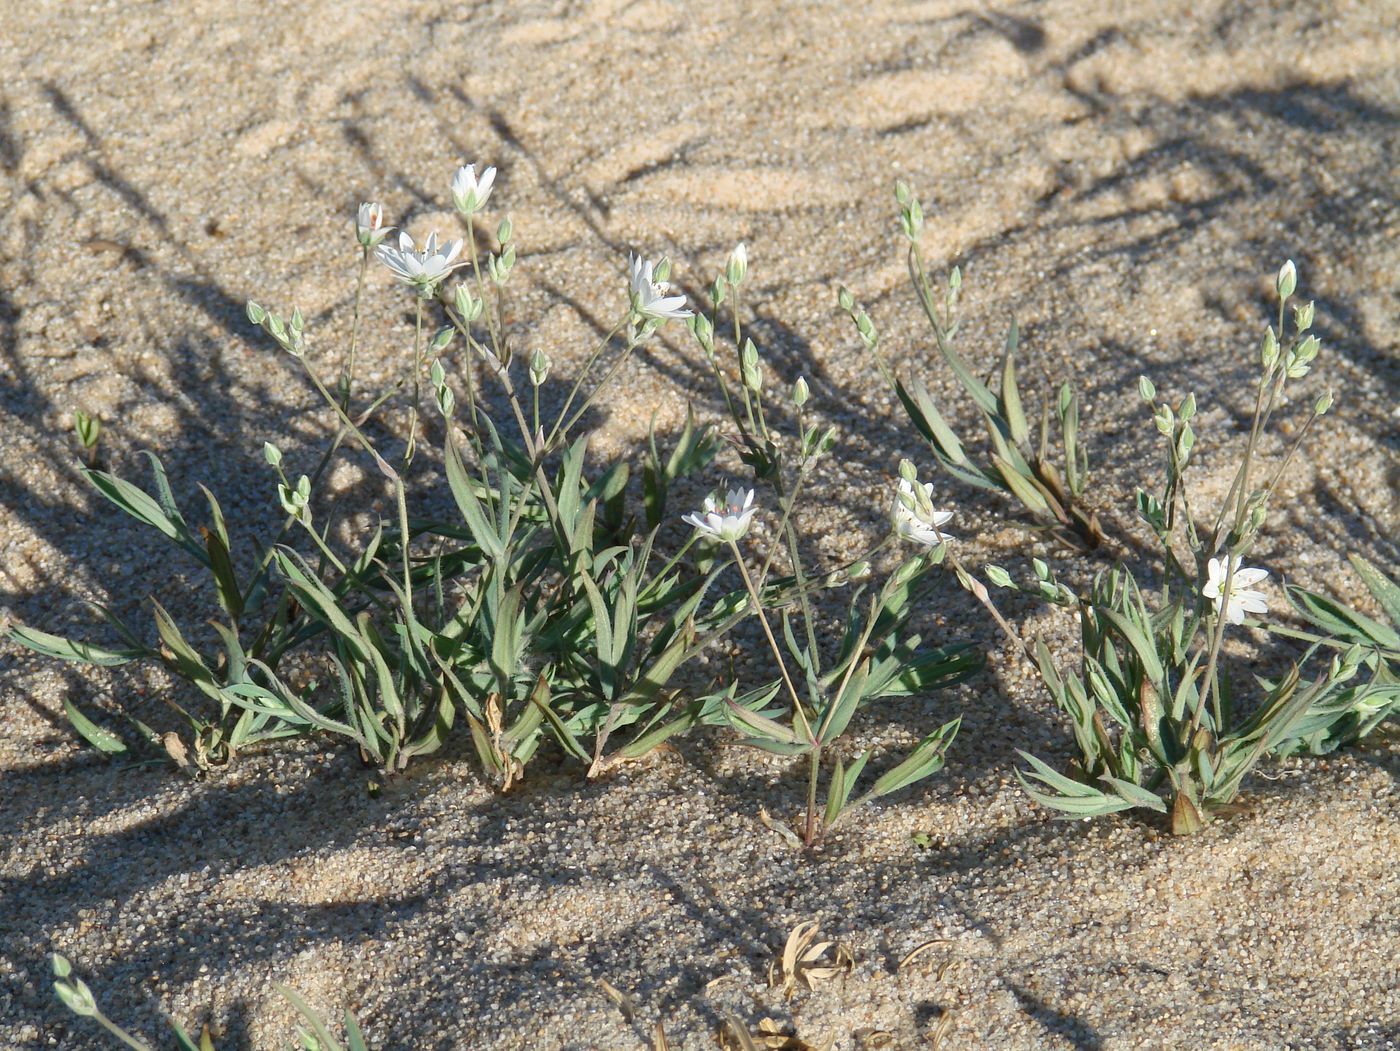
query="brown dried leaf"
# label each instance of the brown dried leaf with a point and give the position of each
(918, 951)
(625, 1003)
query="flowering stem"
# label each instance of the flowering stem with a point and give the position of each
(347, 377)
(583, 374)
(491, 320)
(798, 713)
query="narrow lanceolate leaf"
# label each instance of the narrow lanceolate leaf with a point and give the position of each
(1386, 590)
(102, 740)
(1072, 798)
(324, 1039)
(70, 649)
(482, 530)
(926, 759)
(1011, 409)
(225, 579)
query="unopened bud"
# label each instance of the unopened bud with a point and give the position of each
(539, 368)
(844, 299)
(256, 314)
(272, 454)
(1147, 391)
(908, 471)
(800, 392)
(998, 576)
(1303, 317)
(1268, 351)
(738, 267)
(442, 339)
(505, 230)
(1287, 280)
(1323, 403)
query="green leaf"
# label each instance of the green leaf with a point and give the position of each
(926, 759)
(460, 483)
(103, 740)
(1387, 591)
(70, 649)
(1011, 409)
(323, 1036)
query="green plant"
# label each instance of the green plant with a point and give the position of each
(74, 993)
(1020, 462)
(1155, 713)
(876, 657)
(1356, 711)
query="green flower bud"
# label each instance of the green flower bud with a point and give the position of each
(998, 576)
(844, 299)
(442, 339)
(504, 231)
(272, 454)
(800, 392)
(256, 314)
(1268, 351)
(1146, 390)
(1303, 317)
(1187, 408)
(1287, 280)
(539, 368)
(1323, 403)
(908, 471)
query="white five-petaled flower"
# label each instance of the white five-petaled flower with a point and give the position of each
(423, 270)
(649, 296)
(1242, 599)
(469, 193)
(726, 519)
(914, 516)
(369, 225)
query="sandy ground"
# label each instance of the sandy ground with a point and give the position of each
(1121, 177)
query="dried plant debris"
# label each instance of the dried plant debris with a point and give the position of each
(807, 960)
(771, 1035)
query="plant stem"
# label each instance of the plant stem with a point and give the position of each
(799, 714)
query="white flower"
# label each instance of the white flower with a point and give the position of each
(1241, 600)
(726, 519)
(649, 295)
(423, 270)
(914, 516)
(369, 225)
(469, 194)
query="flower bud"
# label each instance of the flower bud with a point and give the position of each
(998, 576)
(272, 454)
(908, 471)
(505, 231)
(844, 299)
(661, 272)
(539, 368)
(1323, 403)
(1146, 390)
(256, 314)
(749, 369)
(1187, 408)
(1287, 280)
(738, 266)
(462, 300)
(1042, 571)
(800, 392)
(1268, 352)
(442, 339)
(1303, 317)
(955, 280)
(469, 193)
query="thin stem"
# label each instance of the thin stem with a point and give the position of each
(347, 377)
(799, 714)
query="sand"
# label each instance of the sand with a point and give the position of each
(1124, 179)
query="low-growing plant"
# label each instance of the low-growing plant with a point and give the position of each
(1020, 462)
(74, 994)
(876, 656)
(546, 609)
(1357, 710)
(1157, 718)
